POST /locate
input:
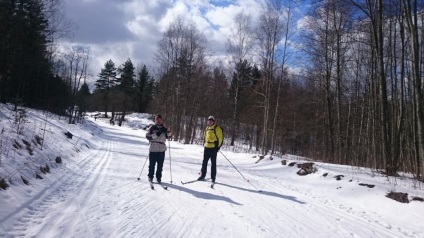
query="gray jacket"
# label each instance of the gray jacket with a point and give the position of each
(157, 135)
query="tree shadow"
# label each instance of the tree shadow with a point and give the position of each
(203, 195)
(263, 192)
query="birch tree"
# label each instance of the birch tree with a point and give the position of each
(239, 49)
(269, 33)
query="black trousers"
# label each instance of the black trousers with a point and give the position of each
(159, 158)
(209, 153)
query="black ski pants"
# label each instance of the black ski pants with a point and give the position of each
(159, 158)
(209, 153)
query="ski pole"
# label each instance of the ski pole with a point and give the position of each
(170, 167)
(240, 172)
(143, 167)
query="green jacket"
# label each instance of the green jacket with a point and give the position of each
(213, 136)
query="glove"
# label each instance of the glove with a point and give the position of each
(217, 149)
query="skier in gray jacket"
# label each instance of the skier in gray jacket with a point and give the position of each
(157, 135)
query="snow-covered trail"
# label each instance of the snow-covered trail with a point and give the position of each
(98, 195)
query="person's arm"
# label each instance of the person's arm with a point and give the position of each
(149, 134)
(167, 132)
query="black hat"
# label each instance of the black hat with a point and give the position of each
(158, 116)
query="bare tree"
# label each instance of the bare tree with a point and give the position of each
(75, 73)
(411, 8)
(269, 33)
(286, 21)
(239, 49)
(181, 55)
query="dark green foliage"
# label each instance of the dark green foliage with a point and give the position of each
(83, 98)
(26, 70)
(25, 66)
(5, 8)
(107, 80)
(127, 80)
(84, 90)
(144, 89)
(218, 88)
(58, 96)
(242, 77)
(107, 76)
(124, 98)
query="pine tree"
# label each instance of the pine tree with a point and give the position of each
(127, 87)
(242, 78)
(127, 79)
(107, 80)
(24, 64)
(145, 86)
(83, 98)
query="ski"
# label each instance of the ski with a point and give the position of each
(163, 186)
(193, 181)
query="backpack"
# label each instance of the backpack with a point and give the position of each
(214, 130)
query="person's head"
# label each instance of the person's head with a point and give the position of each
(158, 119)
(211, 120)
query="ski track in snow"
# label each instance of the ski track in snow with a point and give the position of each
(43, 210)
(99, 196)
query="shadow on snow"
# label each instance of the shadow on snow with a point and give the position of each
(203, 195)
(263, 192)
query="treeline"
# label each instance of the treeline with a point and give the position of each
(366, 82)
(35, 72)
(28, 29)
(122, 90)
(358, 101)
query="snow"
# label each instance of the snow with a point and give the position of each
(96, 192)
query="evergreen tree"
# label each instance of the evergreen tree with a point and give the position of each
(145, 88)
(83, 97)
(107, 80)
(127, 87)
(59, 97)
(242, 78)
(127, 79)
(5, 7)
(25, 67)
(84, 90)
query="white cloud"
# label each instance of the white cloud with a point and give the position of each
(119, 30)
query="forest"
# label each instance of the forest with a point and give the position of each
(358, 99)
